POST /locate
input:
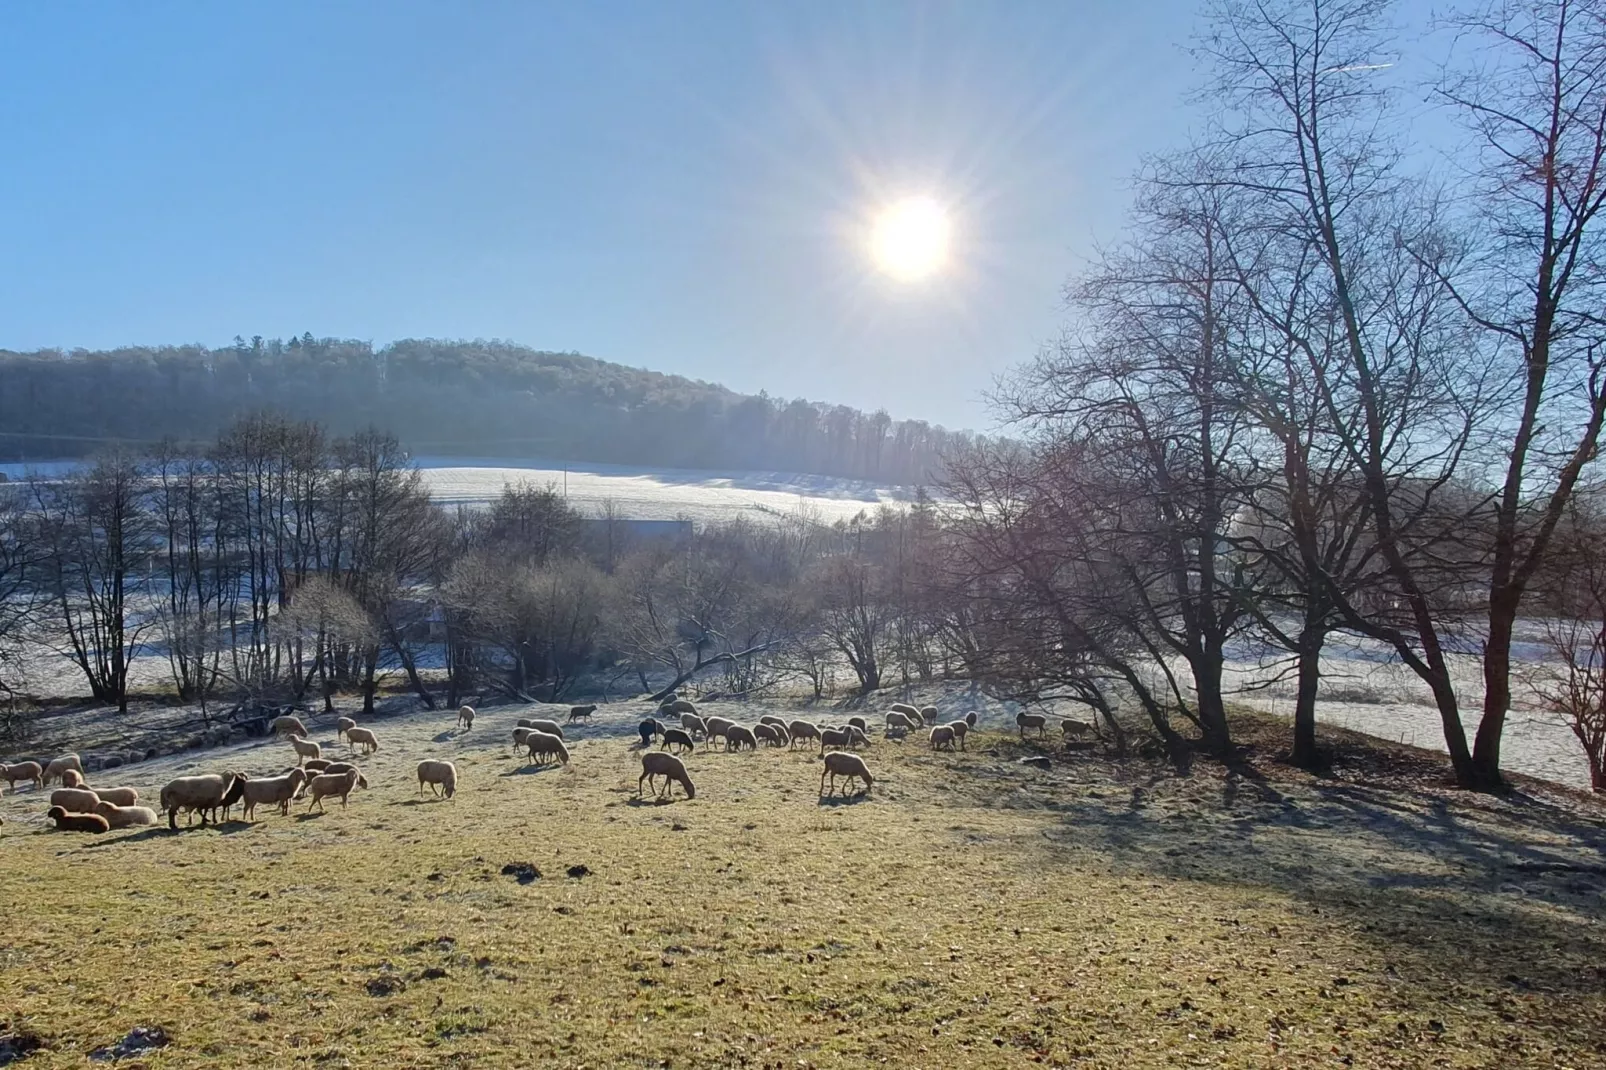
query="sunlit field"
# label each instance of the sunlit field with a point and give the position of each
(969, 911)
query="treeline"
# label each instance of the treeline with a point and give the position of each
(284, 562)
(463, 398)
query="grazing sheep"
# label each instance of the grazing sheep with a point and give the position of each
(235, 793)
(844, 764)
(203, 794)
(364, 738)
(1071, 729)
(942, 737)
(122, 817)
(773, 734)
(900, 723)
(465, 717)
(118, 796)
(439, 775)
(738, 736)
(341, 725)
(551, 728)
(58, 766)
(342, 768)
(839, 738)
(930, 714)
(672, 769)
(306, 748)
(1030, 720)
(287, 726)
(75, 800)
(681, 705)
(272, 790)
(860, 723)
(694, 725)
(970, 718)
(650, 729)
(960, 730)
(316, 765)
(326, 785)
(543, 746)
(770, 718)
(72, 778)
(716, 727)
(801, 730)
(23, 771)
(678, 736)
(581, 713)
(905, 709)
(69, 822)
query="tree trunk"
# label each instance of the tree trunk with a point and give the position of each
(1212, 710)
(1496, 694)
(370, 668)
(1310, 677)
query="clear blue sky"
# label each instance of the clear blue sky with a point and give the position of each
(673, 185)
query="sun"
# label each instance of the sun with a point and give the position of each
(909, 239)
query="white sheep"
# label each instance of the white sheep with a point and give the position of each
(900, 723)
(716, 727)
(341, 726)
(551, 728)
(465, 716)
(905, 709)
(542, 746)
(1030, 720)
(942, 736)
(693, 725)
(836, 737)
(23, 771)
(75, 800)
(122, 817)
(845, 764)
(364, 738)
(773, 734)
(672, 769)
(326, 785)
(273, 790)
(287, 726)
(305, 748)
(118, 796)
(203, 793)
(439, 775)
(72, 778)
(58, 766)
(798, 730)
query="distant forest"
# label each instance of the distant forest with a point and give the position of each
(464, 398)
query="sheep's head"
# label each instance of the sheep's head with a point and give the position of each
(56, 813)
(362, 781)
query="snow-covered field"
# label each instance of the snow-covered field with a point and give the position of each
(640, 493)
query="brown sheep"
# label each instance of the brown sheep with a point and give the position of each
(672, 769)
(75, 800)
(288, 726)
(332, 784)
(439, 775)
(716, 727)
(72, 778)
(970, 718)
(844, 764)
(1071, 729)
(581, 713)
(551, 728)
(23, 771)
(68, 822)
(738, 736)
(942, 736)
(929, 714)
(680, 738)
(543, 746)
(118, 796)
(961, 729)
(840, 738)
(1031, 720)
(364, 738)
(775, 735)
(798, 730)
(341, 724)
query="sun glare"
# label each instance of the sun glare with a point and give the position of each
(910, 239)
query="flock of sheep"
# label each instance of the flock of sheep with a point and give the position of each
(75, 806)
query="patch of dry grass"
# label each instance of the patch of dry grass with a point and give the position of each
(969, 913)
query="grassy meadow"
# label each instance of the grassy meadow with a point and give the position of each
(970, 912)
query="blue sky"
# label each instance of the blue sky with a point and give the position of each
(681, 186)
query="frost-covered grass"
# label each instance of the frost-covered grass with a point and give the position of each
(969, 913)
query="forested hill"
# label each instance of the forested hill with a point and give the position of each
(440, 397)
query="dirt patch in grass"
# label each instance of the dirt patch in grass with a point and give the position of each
(971, 912)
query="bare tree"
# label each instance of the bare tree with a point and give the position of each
(1534, 100)
(1571, 682)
